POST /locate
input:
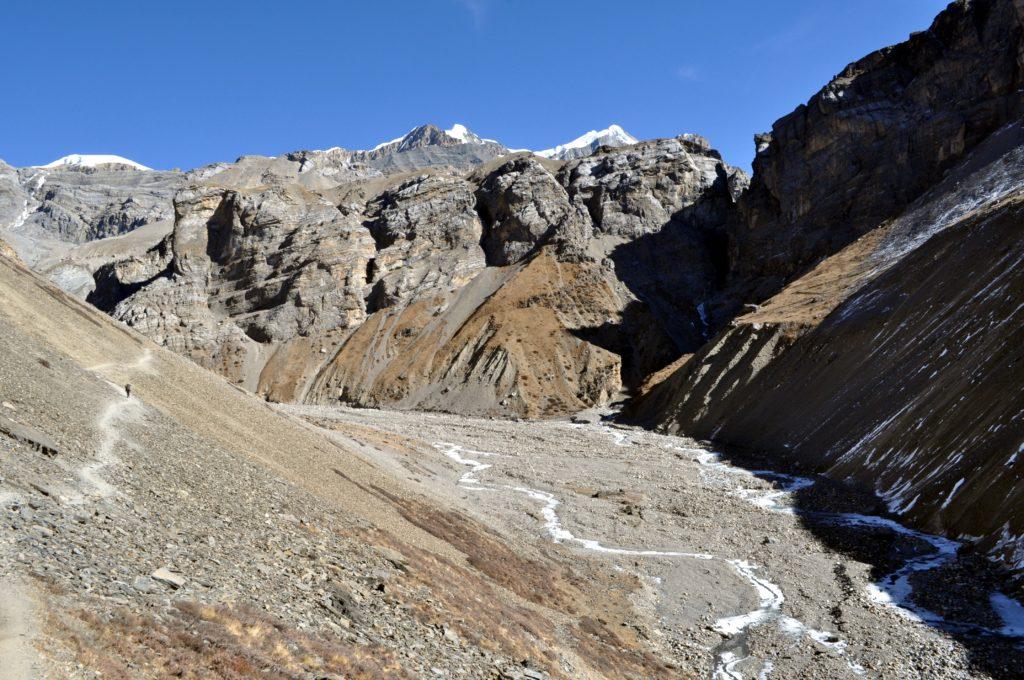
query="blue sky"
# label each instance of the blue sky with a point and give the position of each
(184, 83)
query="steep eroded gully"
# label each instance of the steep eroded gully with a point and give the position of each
(734, 584)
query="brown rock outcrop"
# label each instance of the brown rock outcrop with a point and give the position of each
(8, 252)
(504, 344)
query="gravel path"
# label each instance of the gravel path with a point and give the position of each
(19, 659)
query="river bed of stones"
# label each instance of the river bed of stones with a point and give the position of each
(656, 505)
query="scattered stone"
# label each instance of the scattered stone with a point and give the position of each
(165, 575)
(43, 489)
(144, 584)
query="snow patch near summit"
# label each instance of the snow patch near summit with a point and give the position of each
(613, 135)
(92, 161)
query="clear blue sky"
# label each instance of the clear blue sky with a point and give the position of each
(184, 83)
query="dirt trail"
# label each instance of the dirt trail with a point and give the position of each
(110, 424)
(19, 659)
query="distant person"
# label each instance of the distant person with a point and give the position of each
(128, 390)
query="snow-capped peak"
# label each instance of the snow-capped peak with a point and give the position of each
(93, 160)
(461, 133)
(613, 135)
(428, 135)
(396, 140)
(466, 136)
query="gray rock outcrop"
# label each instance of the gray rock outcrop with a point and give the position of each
(80, 204)
(427, 237)
(525, 207)
(660, 211)
(303, 284)
(70, 220)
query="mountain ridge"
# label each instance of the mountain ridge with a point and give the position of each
(422, 135)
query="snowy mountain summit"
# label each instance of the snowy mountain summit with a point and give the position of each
(588, 143)
(431, 135)
(425, 136)
(93, 161)
(429, 145)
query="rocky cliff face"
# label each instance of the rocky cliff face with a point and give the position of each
(666, 240)
(873, 140)
(495, 291)
(525, 206)
(12, 197)
(240, 269)
(51, 215)
(887, 362)
(76, 204)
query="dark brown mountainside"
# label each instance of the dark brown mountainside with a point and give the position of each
(909, 388)
(892, 364)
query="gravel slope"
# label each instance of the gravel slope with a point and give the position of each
(190, 530)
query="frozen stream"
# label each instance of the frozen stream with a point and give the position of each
(894, 590)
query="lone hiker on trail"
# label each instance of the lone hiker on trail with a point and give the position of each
(128, 390)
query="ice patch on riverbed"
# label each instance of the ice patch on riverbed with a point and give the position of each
(894, 590)
(1011, 612)
(770, 596)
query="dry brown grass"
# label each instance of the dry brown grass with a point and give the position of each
(598, 604)
(213, 641)
(439, 592)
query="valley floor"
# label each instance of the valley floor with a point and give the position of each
(363, 543)
(727, 572)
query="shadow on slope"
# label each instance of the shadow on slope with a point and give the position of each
(947, 585)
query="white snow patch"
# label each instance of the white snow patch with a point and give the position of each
(956, 487)
(1011, 612)
(461, 133)
(396, 140)
(1013, 458)
(466, 136)
(614, 132)
(93, 160)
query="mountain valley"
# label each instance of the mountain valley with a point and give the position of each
(612, 409)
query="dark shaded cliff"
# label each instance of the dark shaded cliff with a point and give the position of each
(872, 140)
(910, 388)
(891, 207)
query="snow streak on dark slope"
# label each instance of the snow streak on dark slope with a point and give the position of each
(909, 387)
(895, 589)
